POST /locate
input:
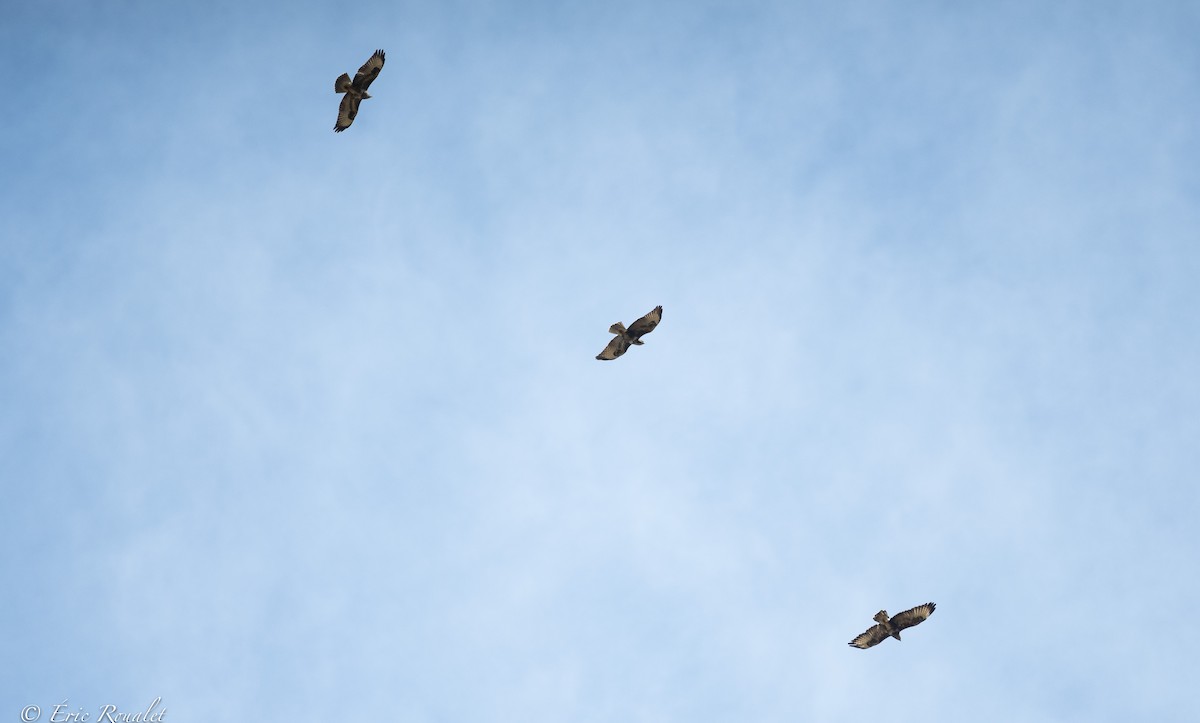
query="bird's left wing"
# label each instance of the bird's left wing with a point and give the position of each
(618, 346)
(346, 112)
(911, 617)
(873, 636)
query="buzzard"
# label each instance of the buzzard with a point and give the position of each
(355, 90)
(633, 335)
(878, 633)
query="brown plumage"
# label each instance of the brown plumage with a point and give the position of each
(356, 90)
(626, 337)
(891, 627)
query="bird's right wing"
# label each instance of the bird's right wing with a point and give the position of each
(913, 616)
(646, 324)
(369, 71)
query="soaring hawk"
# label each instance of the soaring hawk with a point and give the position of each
(355, 90)
(633, 335)
(892, 626)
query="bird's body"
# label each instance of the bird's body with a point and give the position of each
(891, 626)
(632, 336)
(356, 90)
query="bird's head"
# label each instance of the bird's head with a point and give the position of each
(366, 95)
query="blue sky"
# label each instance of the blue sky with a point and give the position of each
(308, 425)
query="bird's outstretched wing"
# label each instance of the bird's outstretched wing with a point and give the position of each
(646, 324)
(873, 636)
(912, 617)
(369, 71)
(618, 346)
(346, 112)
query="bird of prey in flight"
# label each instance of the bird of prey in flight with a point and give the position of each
(893, 625)
(633, 335)
(355, 90)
